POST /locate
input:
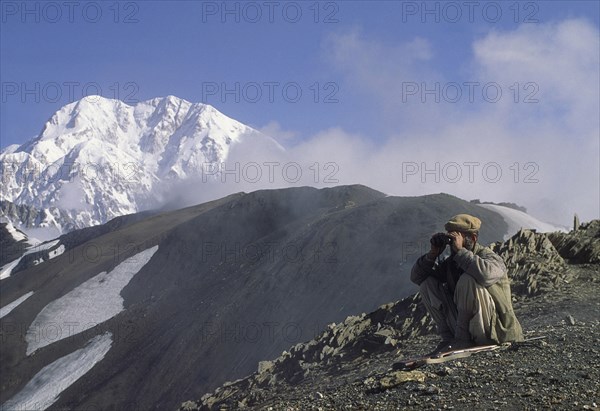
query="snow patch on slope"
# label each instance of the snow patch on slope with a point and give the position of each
(6, 269)
(9, 307)
(91, 303)
(17, 235)
(55, 253)
(42, 246)
(45, 387)
(517, 219)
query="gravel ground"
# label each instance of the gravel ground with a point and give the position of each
(554, 296)
(559, 372)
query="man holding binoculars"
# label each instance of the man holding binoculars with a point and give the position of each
(468, 293)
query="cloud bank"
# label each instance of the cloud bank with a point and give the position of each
(541, 133)
(519, 123)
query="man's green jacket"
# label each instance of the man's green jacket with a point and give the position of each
(489, 270)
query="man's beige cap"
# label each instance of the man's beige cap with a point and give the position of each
(463, 222)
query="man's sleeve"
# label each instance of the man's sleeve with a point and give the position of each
(423, 268)
(487, 268)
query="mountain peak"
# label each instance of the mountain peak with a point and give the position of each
(103, 157)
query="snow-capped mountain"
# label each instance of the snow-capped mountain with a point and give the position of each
(99, 158)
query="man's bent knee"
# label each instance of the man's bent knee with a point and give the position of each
(466, 294)
(466, 282)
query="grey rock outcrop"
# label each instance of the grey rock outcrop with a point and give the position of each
(358, 336)
(580, 246)
(534, 265)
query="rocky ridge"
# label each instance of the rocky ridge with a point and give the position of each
(555, 282)
(28, 217)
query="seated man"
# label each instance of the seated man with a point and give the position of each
(467, 294)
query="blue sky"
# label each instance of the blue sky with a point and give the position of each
(363, 69)
(158, 48)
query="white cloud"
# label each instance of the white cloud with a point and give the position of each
(553, 144)
(562, 58)
(72, 196)
(274, 129)
(381, 72)
(554, 141)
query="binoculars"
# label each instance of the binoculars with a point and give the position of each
(441, 240)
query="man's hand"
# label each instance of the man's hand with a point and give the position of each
(435, 249)
(458, 242)
(434, 252)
